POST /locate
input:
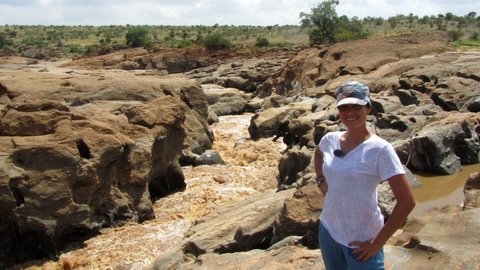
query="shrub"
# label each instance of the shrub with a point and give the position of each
(215, 41)
(474, 36)
(138, 37)
(316, 37)
(262, 42)
(76, 48)
(3, 40)
(350, 35)
(454, 35)
(184, 43)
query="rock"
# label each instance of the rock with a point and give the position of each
(66, 172)
(287, 241)
(274, 121)
(443, 145)
(242, 226)
(293, 162)
(225, 101)
(300, 215)
(318, 67)
(471, 191)
(209, 157)
(446, 241)
(268, 123)
(286, 257)
(253, 105)
(243, 74)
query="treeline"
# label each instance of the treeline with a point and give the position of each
(321, 25)
(96, 40)
(327, 27)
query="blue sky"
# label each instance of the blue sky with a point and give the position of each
(209, 12)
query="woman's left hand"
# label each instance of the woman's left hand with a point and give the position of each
(365, 250)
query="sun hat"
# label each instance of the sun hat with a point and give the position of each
(353, 92)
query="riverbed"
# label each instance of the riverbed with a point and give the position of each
(251, 167)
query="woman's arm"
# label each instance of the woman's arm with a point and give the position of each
(404, 205)
(318, 162)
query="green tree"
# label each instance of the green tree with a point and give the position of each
(137, 37)
(425, 20)
(449, 16)
(439, 22)
(350, 29)
(324, 19)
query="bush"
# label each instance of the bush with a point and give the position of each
(184, 43)
(349, 35)
(97, 49)
(76, 48)
(3, 40)
(474, 36)
(215, 41)
(138, 37)
(316, 37)
(262, 42)
(454, 35)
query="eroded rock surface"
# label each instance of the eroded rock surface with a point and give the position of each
(74, 163)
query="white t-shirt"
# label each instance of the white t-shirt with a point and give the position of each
(351, 211)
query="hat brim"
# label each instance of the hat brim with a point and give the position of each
(352, 100)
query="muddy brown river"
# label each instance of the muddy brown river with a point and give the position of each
(438, 191)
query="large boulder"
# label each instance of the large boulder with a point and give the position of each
(300, 216)
(73, 162)
(274, 121)
(442, 145)
(293, 162)
(82, 92)
(74, 175)
(213, 234)
(226, 101)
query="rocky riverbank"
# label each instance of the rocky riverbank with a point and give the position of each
(89, 151)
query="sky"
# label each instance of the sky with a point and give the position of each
(209, 12)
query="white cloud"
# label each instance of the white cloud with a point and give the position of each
(389, 8)
(209, 12)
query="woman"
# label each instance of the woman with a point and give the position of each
(349, 165)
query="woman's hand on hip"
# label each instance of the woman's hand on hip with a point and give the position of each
(365, 250)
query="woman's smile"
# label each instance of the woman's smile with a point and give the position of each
(350, 118)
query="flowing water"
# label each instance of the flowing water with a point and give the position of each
(251, 168)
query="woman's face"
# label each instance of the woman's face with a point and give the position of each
(353, 115)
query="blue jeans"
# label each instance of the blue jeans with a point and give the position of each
(337, 256)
